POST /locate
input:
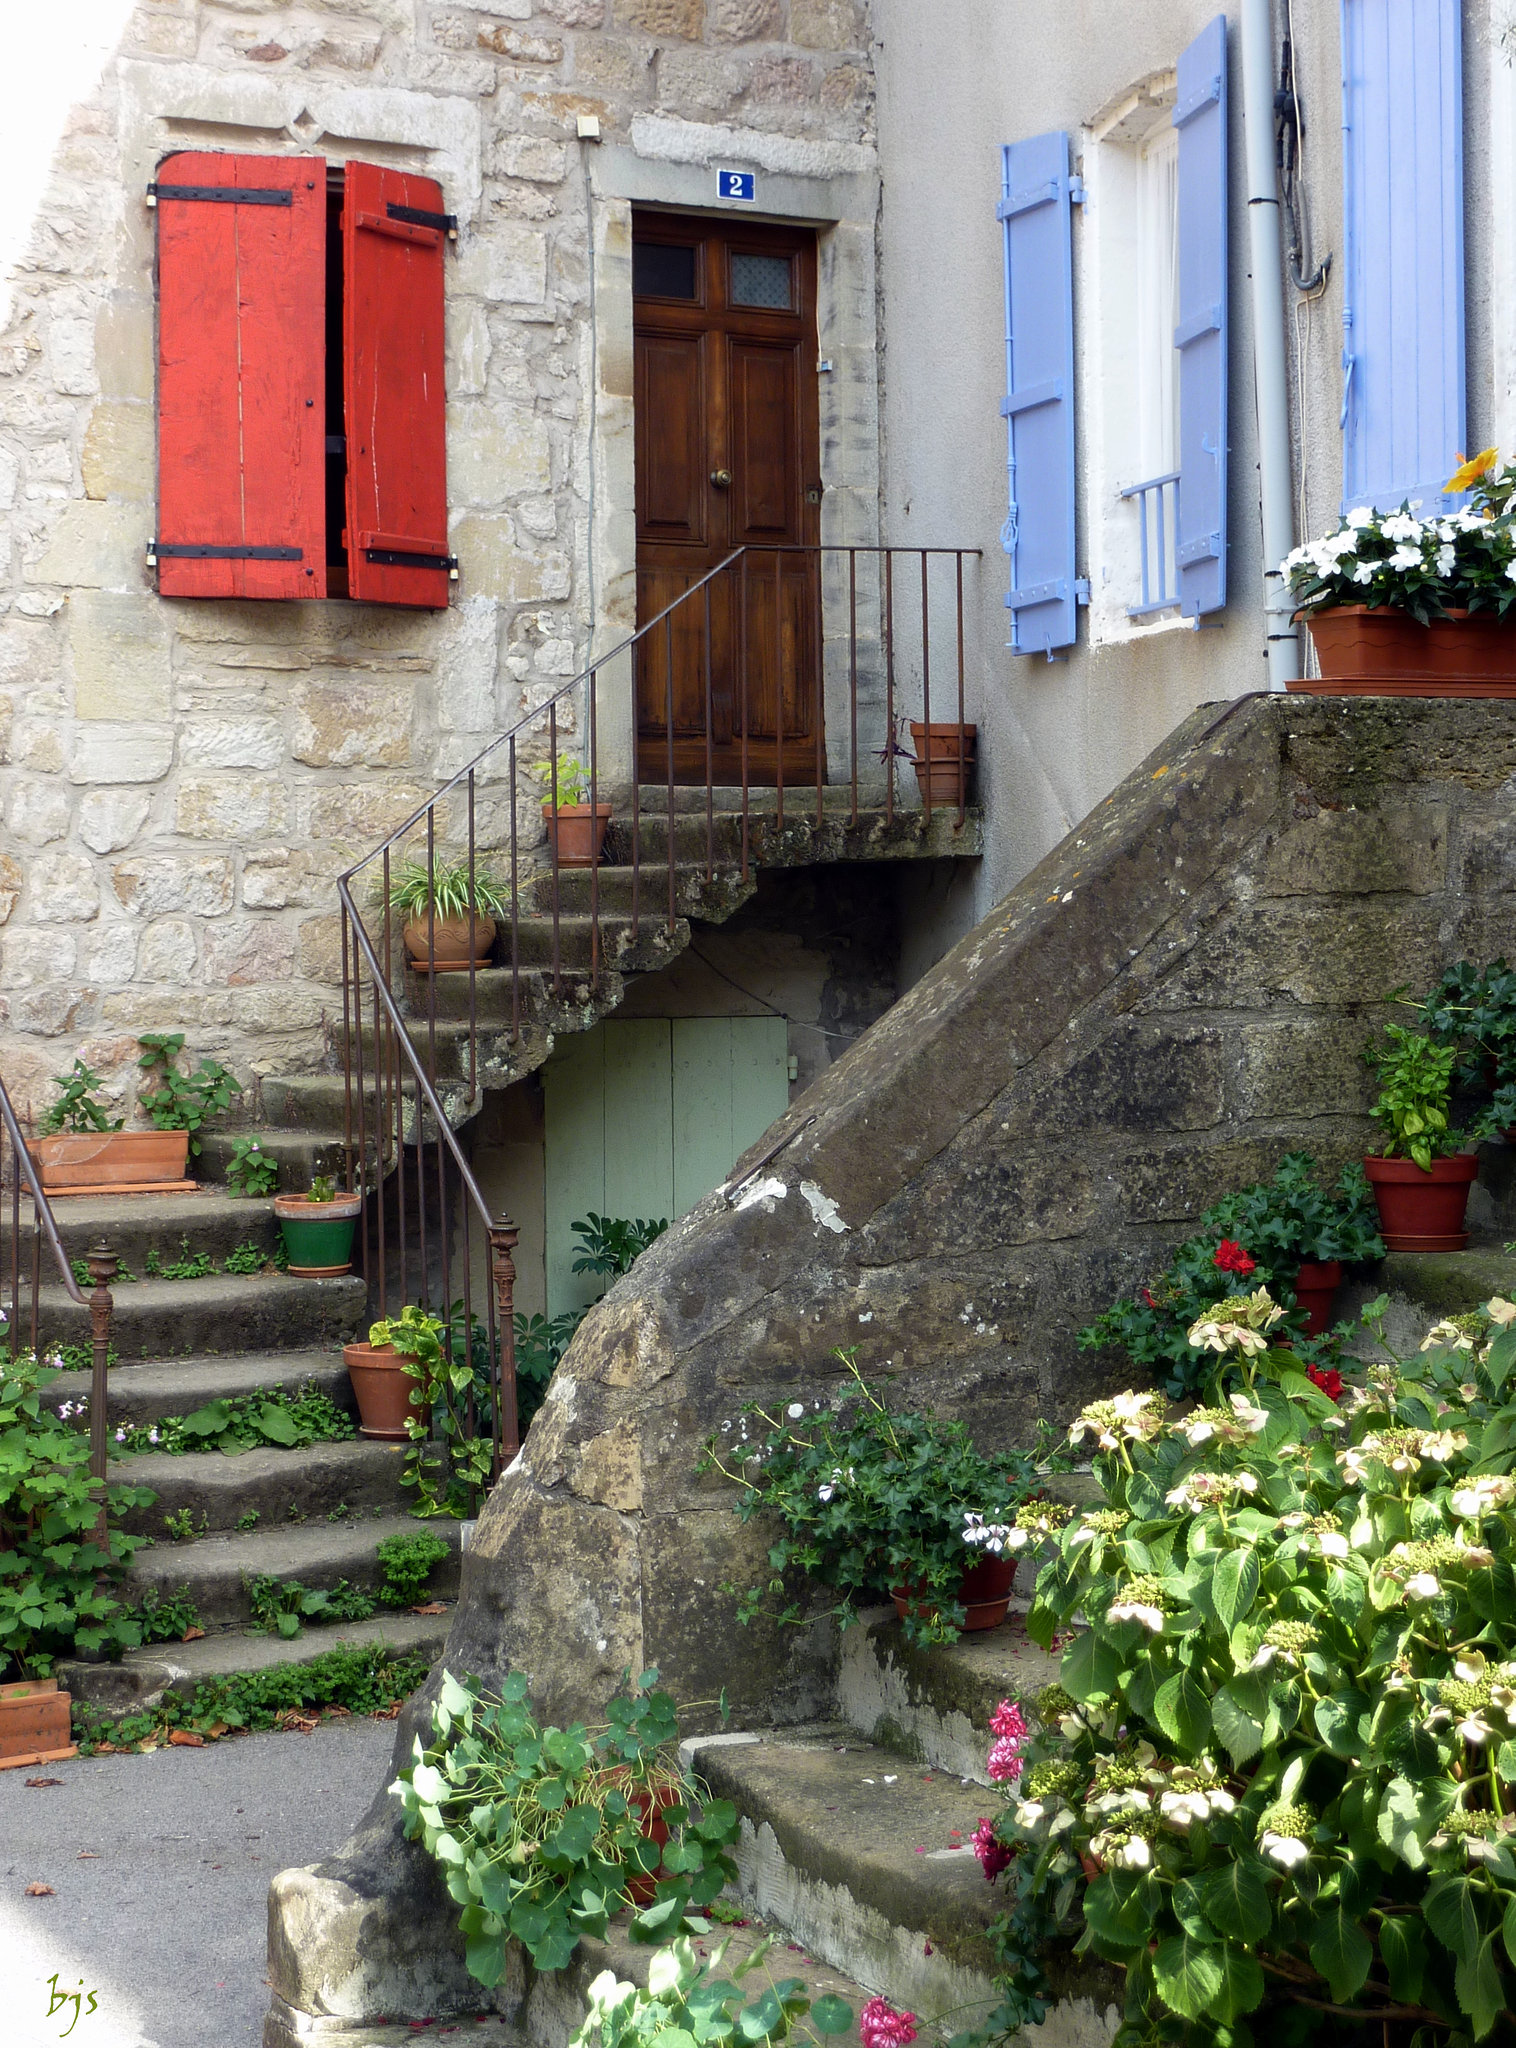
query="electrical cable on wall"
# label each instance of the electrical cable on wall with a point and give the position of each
(1310, 282)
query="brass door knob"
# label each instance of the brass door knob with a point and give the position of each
(721, 478)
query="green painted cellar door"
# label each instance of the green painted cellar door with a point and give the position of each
(646, 1115)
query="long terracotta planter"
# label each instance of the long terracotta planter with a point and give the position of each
(34, 1723)
(984, 1590)
(383, 1389)
(458, 942)
(578, 832)
(1421, 1211)
(1382, 652)
(110, 1159)
(1316, 1286)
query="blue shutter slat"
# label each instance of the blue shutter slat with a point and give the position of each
(1403, 353)
(1036, 195)
(1200, 115)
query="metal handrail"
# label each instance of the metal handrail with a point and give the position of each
(103, 1265)
(398, 1059)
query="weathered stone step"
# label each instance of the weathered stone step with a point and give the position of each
(651, 946)
(282, 1486)
(933, 1704)
(800, 841)
(228, 1313)
(866, 1859)
(1426, 1286)
(299, 1154)
(726, 798)
(318, 1553)
(211, 1220)
(145, 1393)
(304, 1102)
(612, 890)
(143, 1676)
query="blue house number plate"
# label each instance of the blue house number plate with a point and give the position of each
(736, 185)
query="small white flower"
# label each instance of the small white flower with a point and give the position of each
(1423, 1586)
(1029, 1812)
(1364, 573)
(1500, 1311)
(1362, 515)
(1475, 1730)
(795, 1410)
(1332, 1543)
(1470, 1666)
(824, 1493)
(1133, 1610)
(121, 1436)
(1134, 1854)
(1284, 1850)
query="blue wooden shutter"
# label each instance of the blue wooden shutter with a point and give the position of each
(1403, 314)
(1200, 115)
(1036, 193)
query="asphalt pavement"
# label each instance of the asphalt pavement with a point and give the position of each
(159, 1867)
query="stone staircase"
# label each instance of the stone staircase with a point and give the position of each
(315, 1515)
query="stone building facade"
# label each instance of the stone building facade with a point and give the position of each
(182, 779)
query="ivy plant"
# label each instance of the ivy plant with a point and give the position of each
(1278, 1775)
(56, 1571)
(869, 1498)
(540, 1832)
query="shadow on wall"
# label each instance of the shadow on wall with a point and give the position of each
(1176, 997)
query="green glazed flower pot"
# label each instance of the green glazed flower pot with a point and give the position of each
(318, 1236)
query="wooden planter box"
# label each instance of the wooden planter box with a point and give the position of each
(126, 1162)
(34, 1725)
(1386, 653)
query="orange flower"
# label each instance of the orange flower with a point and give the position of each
(1471, 471)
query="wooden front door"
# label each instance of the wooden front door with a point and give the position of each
(726, 433)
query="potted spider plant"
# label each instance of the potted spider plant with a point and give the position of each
(576, 828)
(318, 1229)
(449, 917)
(1421, 1180)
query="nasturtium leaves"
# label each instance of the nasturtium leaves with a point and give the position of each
(831, 2015)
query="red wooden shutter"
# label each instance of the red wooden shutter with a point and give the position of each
(394, 236)
(241, 369)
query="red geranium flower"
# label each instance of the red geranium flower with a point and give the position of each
(1329, 1382)
(1147, 1295)
(1231, 1258)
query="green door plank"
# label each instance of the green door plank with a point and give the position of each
(639, 1118)
(760, 1079)
(573, 1085)
(703, 1144)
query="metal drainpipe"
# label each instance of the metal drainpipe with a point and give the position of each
(1275, 482)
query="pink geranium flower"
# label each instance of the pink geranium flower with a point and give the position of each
(880, 2026)
(993, 1855)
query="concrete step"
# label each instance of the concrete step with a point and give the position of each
(1426, 1286)
(866, 1860)
(211, 1220)
(318, 1553)
(933, 1705)
(282, 1486)
(143, 1676)
(799, 841)
(696, 895)
(726, 798)
(299, 1154)
(157, 1319)
(304, 1102)
(144, 1394)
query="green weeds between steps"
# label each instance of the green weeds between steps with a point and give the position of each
(281, 1606)
(242, 1422)
(370, 1678)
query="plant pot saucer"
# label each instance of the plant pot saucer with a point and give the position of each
(39, 1756)
(385, 1436)
(130, 1187)
(448, 966)
(321, 1272)
(1451, 1241)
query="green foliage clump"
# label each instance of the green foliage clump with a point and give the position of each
(166, 1617)
(541, 1832)
(55, 1572)
(367, 1678)
(76, 1108)
(188, 1266)
(407, 1562)
(1415, 1088)
(1283, 1755)
(182, 1102)
(243, 1422)
(250, 1171)
(688, 2000)
(248, 1257)
(281, 1606)
(450, 1478)
(871, 1499)
(1260, 1235)
(611, 1244)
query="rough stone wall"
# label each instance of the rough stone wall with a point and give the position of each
(180, 781)
(1173, 999)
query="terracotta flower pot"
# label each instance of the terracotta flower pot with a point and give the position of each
(984, 1590)
(110, 1159)
(1316, 1286)
(939, 751)
(459, 940)
(651, 1806)
(1384, 652)
(318, 1236)
(383, 1390)
(1421, 1211)
(577, 833)
(34, 1723)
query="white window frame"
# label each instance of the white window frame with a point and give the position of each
(1129, 365)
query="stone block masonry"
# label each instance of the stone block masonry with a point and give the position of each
(1173, 999)
(181, 782)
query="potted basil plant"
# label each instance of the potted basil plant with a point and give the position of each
(576, 828)
(1422, 1178)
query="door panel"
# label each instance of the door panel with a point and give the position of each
(727, 453)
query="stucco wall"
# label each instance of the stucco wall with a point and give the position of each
(957, 80)
(181, 781)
